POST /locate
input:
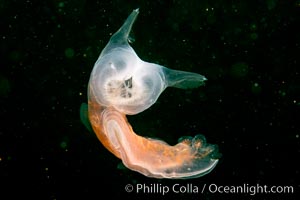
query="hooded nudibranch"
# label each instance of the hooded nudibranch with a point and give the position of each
(122, 84)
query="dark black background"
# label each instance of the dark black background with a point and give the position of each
(249, 107)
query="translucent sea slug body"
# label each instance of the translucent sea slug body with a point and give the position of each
(122, 84)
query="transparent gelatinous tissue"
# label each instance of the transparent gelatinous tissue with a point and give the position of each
(122, 84)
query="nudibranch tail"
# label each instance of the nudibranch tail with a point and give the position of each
(190, 158)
